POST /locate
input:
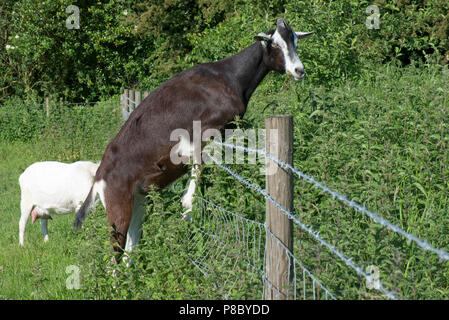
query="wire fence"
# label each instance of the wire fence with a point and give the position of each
(238, 245)
(290, 215)
(61, 104)
(232, 249)
(423, 244)
(443, 255)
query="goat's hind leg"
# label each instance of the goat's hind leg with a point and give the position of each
(119, 209)
(25, 208)
(135, 228)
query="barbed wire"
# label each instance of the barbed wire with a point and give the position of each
(443, 255)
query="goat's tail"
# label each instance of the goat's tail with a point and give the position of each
(82, 212)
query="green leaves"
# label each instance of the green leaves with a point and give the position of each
(74, 64)
(135, 43)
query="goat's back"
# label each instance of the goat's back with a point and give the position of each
(57, 186)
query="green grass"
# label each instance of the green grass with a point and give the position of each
(381, 139)
(36, 271)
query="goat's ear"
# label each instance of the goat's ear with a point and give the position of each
(265, 38)
(280, 23)
(302, 35)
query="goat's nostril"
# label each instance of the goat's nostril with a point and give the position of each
(300, 72)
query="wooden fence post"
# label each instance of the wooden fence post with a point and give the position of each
(131, 97)
(138, 98)
(145, 94)
(47, 106)
(279, 185)
(125, 99)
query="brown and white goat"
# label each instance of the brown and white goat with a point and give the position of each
(212, 93)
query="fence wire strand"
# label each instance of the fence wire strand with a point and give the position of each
(315, 235)
(228, 248)
(442, 254)
(208, 245)
(232, 249)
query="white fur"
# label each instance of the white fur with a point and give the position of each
(187, 199)
(135, 227)
(99, 188)
(53, 188)
(184, 148)
(188, 149)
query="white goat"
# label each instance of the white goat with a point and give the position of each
(53, 187)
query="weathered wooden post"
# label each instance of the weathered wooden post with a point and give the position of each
(125, 104)
(47, 106)
(145, 94)
(279, 185)
(125, 99)
(138, 98)
(131, 100)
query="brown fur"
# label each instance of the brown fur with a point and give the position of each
(214, 93)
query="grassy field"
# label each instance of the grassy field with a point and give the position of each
(382, 139)
(36, 271)
(39, 270)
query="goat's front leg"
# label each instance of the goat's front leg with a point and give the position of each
(44, 229)
(187, 198)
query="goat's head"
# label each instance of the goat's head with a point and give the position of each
(280, 49)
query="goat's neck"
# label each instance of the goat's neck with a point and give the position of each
(248, 69)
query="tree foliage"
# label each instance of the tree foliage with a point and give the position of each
(124, 43)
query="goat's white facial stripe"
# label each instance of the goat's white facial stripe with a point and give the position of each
(292, 62)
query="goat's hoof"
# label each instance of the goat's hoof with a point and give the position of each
(186, 216)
